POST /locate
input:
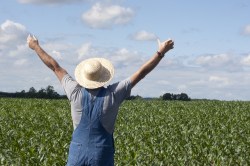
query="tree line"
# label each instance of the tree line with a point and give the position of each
(171, 96)
(166, 96)
(44, 93)
(50, 93)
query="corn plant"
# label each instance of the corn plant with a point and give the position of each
(38, 132)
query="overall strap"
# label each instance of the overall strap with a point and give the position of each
(92, 107)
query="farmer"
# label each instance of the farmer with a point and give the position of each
(94, 108)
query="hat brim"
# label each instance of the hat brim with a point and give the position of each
(106, 75)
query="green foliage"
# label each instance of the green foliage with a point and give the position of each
(38, 132)
(34, 131)
(183, 133)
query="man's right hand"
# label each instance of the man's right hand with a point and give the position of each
(32, 41)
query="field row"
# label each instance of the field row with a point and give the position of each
(38, 132)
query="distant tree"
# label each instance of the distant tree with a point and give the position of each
(182, 96)
(177, 96)
(134, 97)
(51, 92)
(32, 92)
(167, 96)
(48, 93)
(21, 94)
(42, 93)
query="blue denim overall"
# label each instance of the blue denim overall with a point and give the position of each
(91, 144)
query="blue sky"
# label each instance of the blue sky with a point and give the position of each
(211, 58)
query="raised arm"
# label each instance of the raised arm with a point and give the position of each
(46, 58)
(153, 62)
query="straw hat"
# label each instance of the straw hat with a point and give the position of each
(94, 72)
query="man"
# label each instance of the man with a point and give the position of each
(94, 108)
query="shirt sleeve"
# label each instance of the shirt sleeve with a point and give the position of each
(69, 85)
(121, 90)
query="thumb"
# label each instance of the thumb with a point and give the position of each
(28, 38)
(159, 42)
(34, 37)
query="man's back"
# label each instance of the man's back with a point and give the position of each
(114, 96)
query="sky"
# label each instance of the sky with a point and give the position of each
(210, 59)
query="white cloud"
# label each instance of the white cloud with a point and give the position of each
(246, 30)
(49, 1)
(104, 16)
(213, 60)
(12, 27)
(12, 42)
(246, 60)
(221, 81)
(124, 57)
(163, 82)
(47, 79)
(57, 55)
(199, 82)
(21, 50)
(120, 57)
(144, 36)
(219, 62)
(11, 32)
(83, 51)
(195, 78)
(60, 51)
(20, 62)
(182, 88)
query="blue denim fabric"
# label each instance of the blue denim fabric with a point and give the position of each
(91, 144)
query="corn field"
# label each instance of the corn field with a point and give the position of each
(155, 132)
